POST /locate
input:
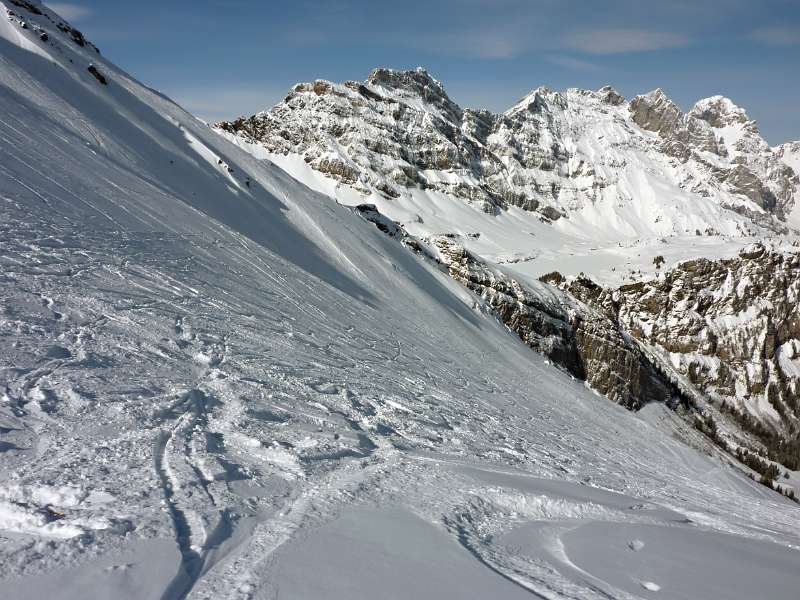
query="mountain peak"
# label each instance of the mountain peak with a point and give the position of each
(536, 98)
(655, 111)
(417, 82)
(609, 95)
(719, 111)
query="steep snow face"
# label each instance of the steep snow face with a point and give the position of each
(216, 383)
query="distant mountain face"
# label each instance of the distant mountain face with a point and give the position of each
(625, 169)
(789, 153)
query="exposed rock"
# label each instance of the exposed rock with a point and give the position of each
(656, 112)
(726, 331)
(584, 341)
(731, 327)
(610, 96)
(29, 6)
(719, 136)
(97, 74)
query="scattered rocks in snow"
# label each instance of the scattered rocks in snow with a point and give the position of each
(97, 75)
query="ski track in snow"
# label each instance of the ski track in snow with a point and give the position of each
(201, 381)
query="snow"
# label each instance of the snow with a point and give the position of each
(420, 560)
(519, 240)
(214, 390)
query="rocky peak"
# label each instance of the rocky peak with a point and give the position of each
(655, 111)
(416, 80)
(420, 83)
(398, 136)
(610, 96)
(538, 100)
(719, 112)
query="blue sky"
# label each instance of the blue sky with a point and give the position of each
(221, 58)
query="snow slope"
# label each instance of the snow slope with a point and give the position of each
(216, 383)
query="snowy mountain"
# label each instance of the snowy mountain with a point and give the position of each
(790, 154)
(581, 165)
(217, 383)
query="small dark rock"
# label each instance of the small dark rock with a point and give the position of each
(97, 75)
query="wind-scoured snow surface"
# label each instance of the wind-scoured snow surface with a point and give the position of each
(211, 388)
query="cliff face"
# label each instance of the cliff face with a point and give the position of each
(724, 142)
(583, 340)
(731, 327)
(586, 342)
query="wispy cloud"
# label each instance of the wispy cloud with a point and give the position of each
(468, 42)
(486, 44)
(74, 13)
(623, 41)
(570, 62)
(776, 36)
(220, 102)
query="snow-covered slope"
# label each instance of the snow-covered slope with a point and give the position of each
(575, 173)
(216, 383)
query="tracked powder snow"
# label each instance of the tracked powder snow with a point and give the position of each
(217, 383)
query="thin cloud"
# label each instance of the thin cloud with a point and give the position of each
(217, 103)
(623, 41)
(472, 44)
(570, 62)
(776, 36)
(73, 13)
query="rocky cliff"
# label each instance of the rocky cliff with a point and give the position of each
(731, 328)
(583, 340)
(721, 338)
(586, 342)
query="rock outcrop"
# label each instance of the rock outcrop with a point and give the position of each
(584, 341)
(730, 327)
